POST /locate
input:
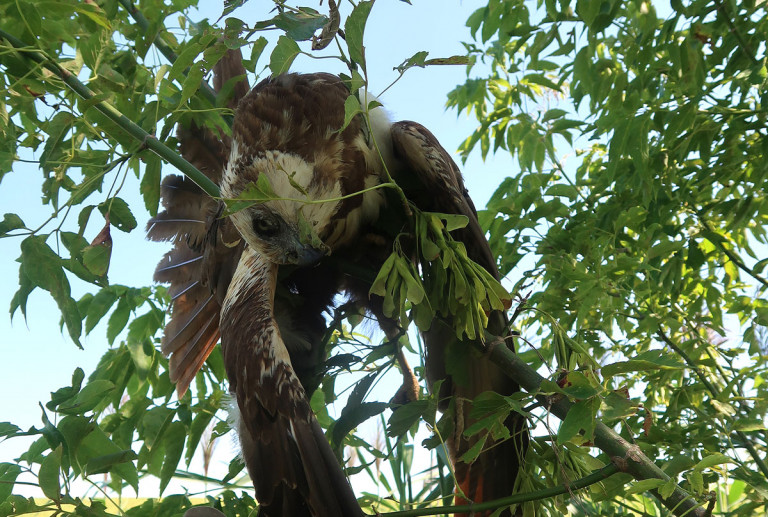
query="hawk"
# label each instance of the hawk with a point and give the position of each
(255, 282)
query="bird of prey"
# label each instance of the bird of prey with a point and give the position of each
(256, 280)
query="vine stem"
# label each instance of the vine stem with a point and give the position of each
(145, 139)
(546, 493)
(626, 456)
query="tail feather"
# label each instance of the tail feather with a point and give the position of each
(295, 472)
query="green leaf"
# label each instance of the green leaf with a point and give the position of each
(552, 114)
(150, 183)
(354, 28)
(8, 474)
(418, 59)
(351, 109)
(44, 269)
(257, 48)
(644, 486)
(300, 25)
(98, 308)
(117, 212)
(283, 55)
(231, 5)
(10, 222)
(57, 128)
(353, 416)
(97, 445)
(205, 413)
(252, 194)
(48, 477)
(712, 460)
(96, 258)
(581, 417)
(118, 319)
(102, 464)
(405, 417)
(651, 360)
(93, 394)
(173, 441)
(8, 429)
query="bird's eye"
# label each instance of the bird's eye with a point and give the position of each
(264, 227)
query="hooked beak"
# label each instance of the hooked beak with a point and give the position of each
(308, 256)
(305, 255)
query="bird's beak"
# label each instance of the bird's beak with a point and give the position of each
(304, 254)
(308, 256)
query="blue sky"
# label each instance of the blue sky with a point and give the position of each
(42, 359)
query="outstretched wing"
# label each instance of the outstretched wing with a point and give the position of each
(205, 251)
(431, 179)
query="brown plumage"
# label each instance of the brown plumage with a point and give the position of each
(254, 279)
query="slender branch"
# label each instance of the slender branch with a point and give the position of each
(745, 47)
(546, 493)
(147, 140)
(733, 256)
(627, 457)
(715, 393)
(163, 47)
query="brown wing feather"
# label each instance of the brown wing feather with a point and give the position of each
(200, 265)
(436, 185)
(432, 180)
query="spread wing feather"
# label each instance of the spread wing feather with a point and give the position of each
(200, 266)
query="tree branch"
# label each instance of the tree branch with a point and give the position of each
(715, 393)
(164, 48)
(546, 493)
(147, 140)
(627, 457)
(731, 255)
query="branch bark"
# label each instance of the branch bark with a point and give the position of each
(626, 456)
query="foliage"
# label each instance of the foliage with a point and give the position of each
(635, 233)
(639, 130)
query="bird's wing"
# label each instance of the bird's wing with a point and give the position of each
(205, 251)
(290, 461)
(431, 179)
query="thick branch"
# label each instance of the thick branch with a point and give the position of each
(147, 140)
(627, 457)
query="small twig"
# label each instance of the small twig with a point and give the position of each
(715, 393)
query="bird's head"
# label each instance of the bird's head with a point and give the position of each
(294, 212)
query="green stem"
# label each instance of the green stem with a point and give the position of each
(627, 457)
(546, 493)
(147, 140)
